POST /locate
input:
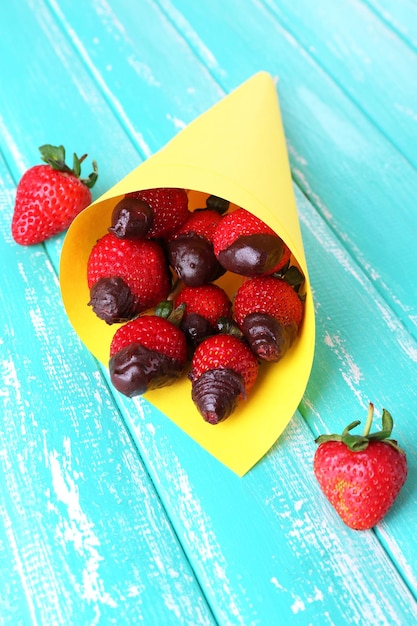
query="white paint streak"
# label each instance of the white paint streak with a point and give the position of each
(77, 529)
(10, 380)
(179, 124)
(204, 537)
(277, 584)
(405, 341)
(189, 34)
(143, 71)
(406, 110)
(323, 236)
(19, 565)
(12, 146)
(298, 606)
(350, 370)
(307, 189)
(398, 554)
(117, 105)
(296, 156)
(298, 505)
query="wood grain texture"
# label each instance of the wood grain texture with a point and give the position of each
(346, 40)
(400, 16)
(110, 514)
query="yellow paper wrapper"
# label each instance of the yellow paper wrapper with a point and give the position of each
(236, 150)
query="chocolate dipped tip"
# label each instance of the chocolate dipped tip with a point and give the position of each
(217, 204)
(135, 369)
(112, 300)
(193, 258)
(216, 393)
(268, 339)
(196, 328)
(252, 255)
(132, 218)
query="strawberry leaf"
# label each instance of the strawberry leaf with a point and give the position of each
(164, 308)
(91, 180)
(361, 442)
(55, 157)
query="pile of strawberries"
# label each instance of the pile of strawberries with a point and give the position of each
(154, 271)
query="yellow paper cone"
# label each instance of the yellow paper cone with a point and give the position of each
(236, 150)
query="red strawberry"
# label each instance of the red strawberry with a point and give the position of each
(190, 250)
(169, 207)
(245, 245)
(205, 305)
(269, 312)
(49, 197)
(147, 353)
(223, 370)
(361, 476)
(126, 277)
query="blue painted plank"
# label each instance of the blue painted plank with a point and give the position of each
(353, 46)
(137, 76)
(400, 16)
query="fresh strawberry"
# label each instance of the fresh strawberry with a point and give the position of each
(245, 245)
(204, 306)
(126, 277)
(49, 197)
(361, 476)
(190, 250)
(269, 312)
(169, 207)
(147, 353)
(223, 370)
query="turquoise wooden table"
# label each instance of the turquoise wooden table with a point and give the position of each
(110, 514)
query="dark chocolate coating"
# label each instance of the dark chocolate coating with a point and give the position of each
(217, 204)
(268, 339)
(136, 369)
(131, 219)
(196, 328)
(216, 392)
(252, 255)
(193, 258)
(112, 300)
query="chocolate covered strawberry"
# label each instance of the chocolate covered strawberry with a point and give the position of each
(361, 475)
(126, 277)
(221, 205)
(190, 250)
(223, 371)
(245, 245)
(50, 196)
(147, 353)
(269, 312)
(204, 307)
(132, 218)
(169, 207)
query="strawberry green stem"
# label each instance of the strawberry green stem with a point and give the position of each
(357, 443)
(368, 423)
(55, 157)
